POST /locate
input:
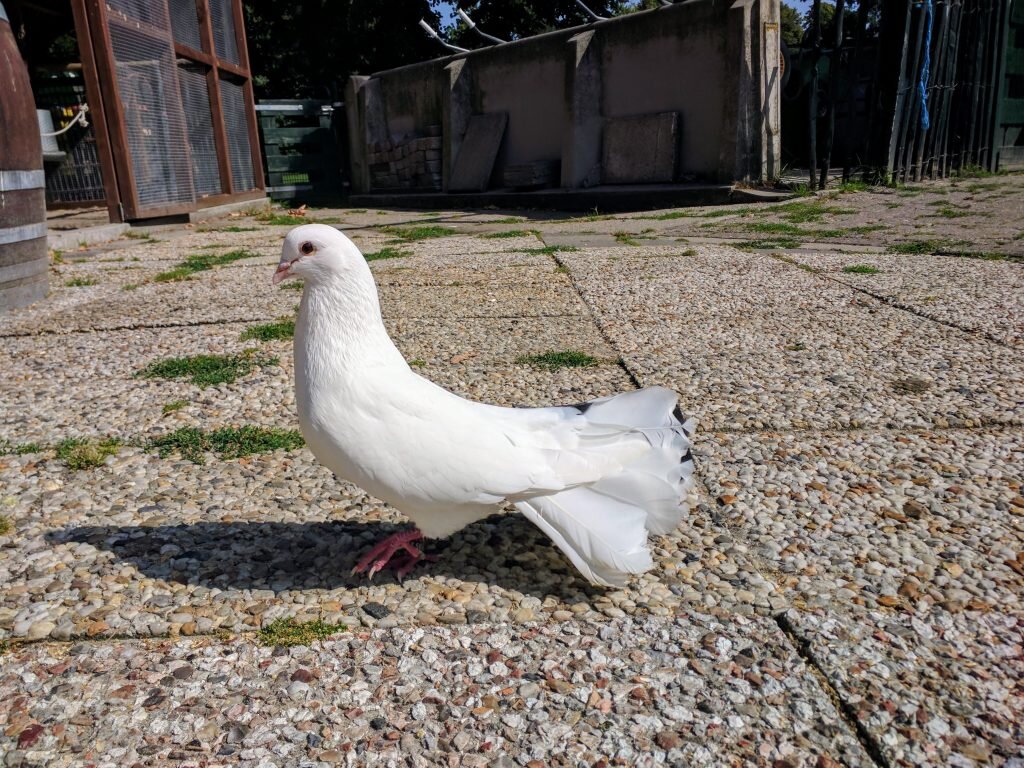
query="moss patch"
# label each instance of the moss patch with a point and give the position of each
(5, 528)
(80, 453)
(207, 370)
(861, 269)
(288, 632)
(228, 442)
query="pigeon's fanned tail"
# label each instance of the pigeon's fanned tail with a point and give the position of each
(603, 537)
(602, 527)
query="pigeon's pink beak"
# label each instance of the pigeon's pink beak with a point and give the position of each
(284, 269)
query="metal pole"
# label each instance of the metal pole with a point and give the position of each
(472, 25)
(833, 91)
(426, 28)
(812, 100)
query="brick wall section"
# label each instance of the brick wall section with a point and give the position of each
(412, 162)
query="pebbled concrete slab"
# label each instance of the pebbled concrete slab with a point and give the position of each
(693, 690)
(929, 688)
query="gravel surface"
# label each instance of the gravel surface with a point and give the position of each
(656, 691)
(855, 539)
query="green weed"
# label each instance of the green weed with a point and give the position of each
(552, 361)
(81, 453)
(81, 282)
(287, 632)
(207, 370)
(861, 269)
(174, 405)
(386, 252)
(412, 234)
(284, 328)
(227, 442)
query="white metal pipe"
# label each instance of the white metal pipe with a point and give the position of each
(427, 28)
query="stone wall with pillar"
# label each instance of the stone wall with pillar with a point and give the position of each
(698, 79)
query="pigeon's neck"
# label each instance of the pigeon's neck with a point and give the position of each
(340, 332)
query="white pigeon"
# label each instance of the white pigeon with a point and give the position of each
(596, 477)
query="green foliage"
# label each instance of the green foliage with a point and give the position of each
(288, 632)
(174, 405)
(19, 449)
(272, 218)
(5, 528)
(227, 442)
(861, 269)
(282, 329)
(919, 246)
(425, 232)
(81, 282)
(201, 262)
(808, 211)
(552, 361)
(387, 252)
(774, 227)
(129, 286)
(80, 453)
(417, 363)
(508, 220)
(206, 370)
(668, 216)
(792, 30)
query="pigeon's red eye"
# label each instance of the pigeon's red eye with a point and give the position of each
(307, 248)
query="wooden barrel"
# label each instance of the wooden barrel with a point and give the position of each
(23, 256)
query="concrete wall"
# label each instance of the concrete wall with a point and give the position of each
(714, 63)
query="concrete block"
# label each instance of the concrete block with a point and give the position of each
(640, 150)
(475, 161)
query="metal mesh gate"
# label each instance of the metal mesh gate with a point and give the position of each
(177, 101)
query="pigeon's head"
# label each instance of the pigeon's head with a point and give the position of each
(316, 251)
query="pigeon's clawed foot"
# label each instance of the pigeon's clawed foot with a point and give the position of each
(388, 551)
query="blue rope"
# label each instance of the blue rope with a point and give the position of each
(922, 85)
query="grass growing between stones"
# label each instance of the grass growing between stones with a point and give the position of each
(79, 453)
(412, 234)
(861, 269)
(282, 329)
(417, 363)
(793, 262)
(768, 244)
(201, 262)
(548, 250)
(509, 233)
(552, 361)
(5, 528)
(174, 405)
(508, 220)
(288, 632)
(668, 216)
(227, 442)
(19, 449)
(293, 286)
(386, 253)
(273, 218)
(81, 282)
(207, 370)
(809, 211)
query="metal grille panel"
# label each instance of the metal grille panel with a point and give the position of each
(195, 98)
(77, 178)
(238, 135)
(185, 23)
(153, 117)
(223, 21)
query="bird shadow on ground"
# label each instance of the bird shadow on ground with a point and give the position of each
(504, 550)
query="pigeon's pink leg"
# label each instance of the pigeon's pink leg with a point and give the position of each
(397, 544)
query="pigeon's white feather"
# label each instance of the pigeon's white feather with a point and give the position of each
(596, 477)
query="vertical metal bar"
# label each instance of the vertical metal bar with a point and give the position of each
(997, 142)
(851, 87)
(833, 90)
(249, 96)
(127, 189)
(94, 93)
(220, 134)
(901, 94)
(913, 111)
(812, 100)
